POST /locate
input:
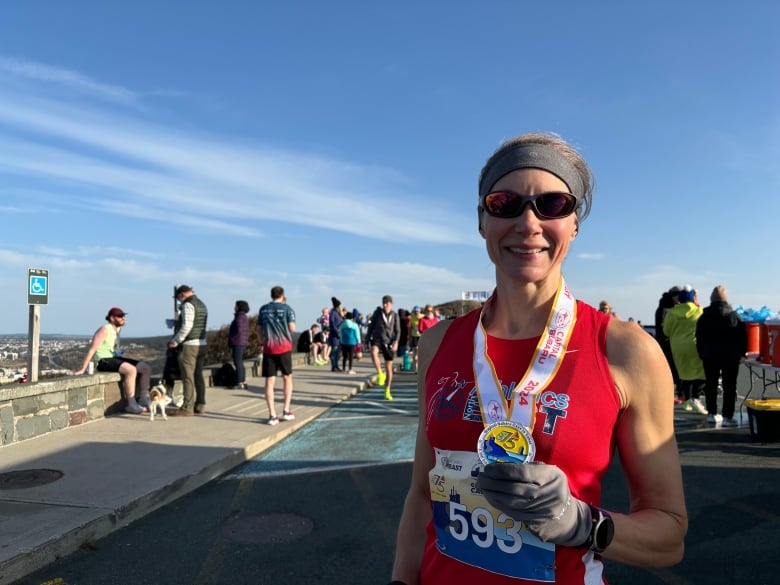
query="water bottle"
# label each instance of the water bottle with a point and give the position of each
(407, 361)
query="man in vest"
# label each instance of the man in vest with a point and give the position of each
(189, 338)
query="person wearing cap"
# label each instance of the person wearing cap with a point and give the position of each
(721, 340)
(189, 338)
(383, 333)
(104, 348)
(525, 403)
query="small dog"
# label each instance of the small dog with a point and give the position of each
(158, 398)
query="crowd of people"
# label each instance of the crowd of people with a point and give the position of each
(703, 347)
(185, 357)
(339, 337)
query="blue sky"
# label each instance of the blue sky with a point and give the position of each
(334, 147)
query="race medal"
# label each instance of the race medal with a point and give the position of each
(506, 441)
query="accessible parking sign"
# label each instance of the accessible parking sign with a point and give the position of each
(37, 286)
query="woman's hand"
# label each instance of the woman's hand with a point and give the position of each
(538, 495)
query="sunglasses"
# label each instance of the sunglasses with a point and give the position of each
(506, 204)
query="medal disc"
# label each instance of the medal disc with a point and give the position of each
(506, 441)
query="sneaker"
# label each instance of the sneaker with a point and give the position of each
(135, 408)
(388, 396)
(729, 422)
(711, 419)
(273, 420)
(381, 378)
(688, 405)
(698, 406)
(352, 372)
(288, 415)
(678, 400)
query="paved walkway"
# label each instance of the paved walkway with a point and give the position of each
(119, 469)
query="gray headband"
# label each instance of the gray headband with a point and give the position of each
(532, 156)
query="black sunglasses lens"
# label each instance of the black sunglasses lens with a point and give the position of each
(547, 205)
(503, 204)
(555, 204)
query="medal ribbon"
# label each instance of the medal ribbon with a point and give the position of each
(546, 360)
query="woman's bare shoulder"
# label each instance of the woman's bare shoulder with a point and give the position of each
(636, 361)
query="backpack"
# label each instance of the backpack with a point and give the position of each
(226, 376)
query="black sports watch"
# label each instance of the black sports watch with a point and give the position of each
(602, 530)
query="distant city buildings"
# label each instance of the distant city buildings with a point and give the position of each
(14, 355)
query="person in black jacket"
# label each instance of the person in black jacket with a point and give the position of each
(666, 302)
(721, 340)
(383, 334)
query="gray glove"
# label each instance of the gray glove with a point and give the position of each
(538, 495)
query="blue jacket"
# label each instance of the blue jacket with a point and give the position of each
(350, 332)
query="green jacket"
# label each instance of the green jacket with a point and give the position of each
(680, 328)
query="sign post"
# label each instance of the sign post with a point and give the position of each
(37, 295)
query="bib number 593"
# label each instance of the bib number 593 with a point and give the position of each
(478, 524)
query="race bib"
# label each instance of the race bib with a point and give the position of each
(471, 531)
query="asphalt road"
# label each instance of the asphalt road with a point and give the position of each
(322, 508)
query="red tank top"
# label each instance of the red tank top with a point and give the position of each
(575, 419)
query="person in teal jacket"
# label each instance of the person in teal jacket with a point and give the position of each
(349, 332)
(680, 328)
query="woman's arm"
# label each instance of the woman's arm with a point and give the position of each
(410, 541)
(652, 533)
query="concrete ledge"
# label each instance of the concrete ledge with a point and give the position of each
(34, 409)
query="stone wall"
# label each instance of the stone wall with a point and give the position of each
(31, 410)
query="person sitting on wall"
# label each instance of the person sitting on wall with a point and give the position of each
(104, 349)
(312, 342)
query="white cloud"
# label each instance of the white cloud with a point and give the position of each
(67, 78)
(132, 160)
